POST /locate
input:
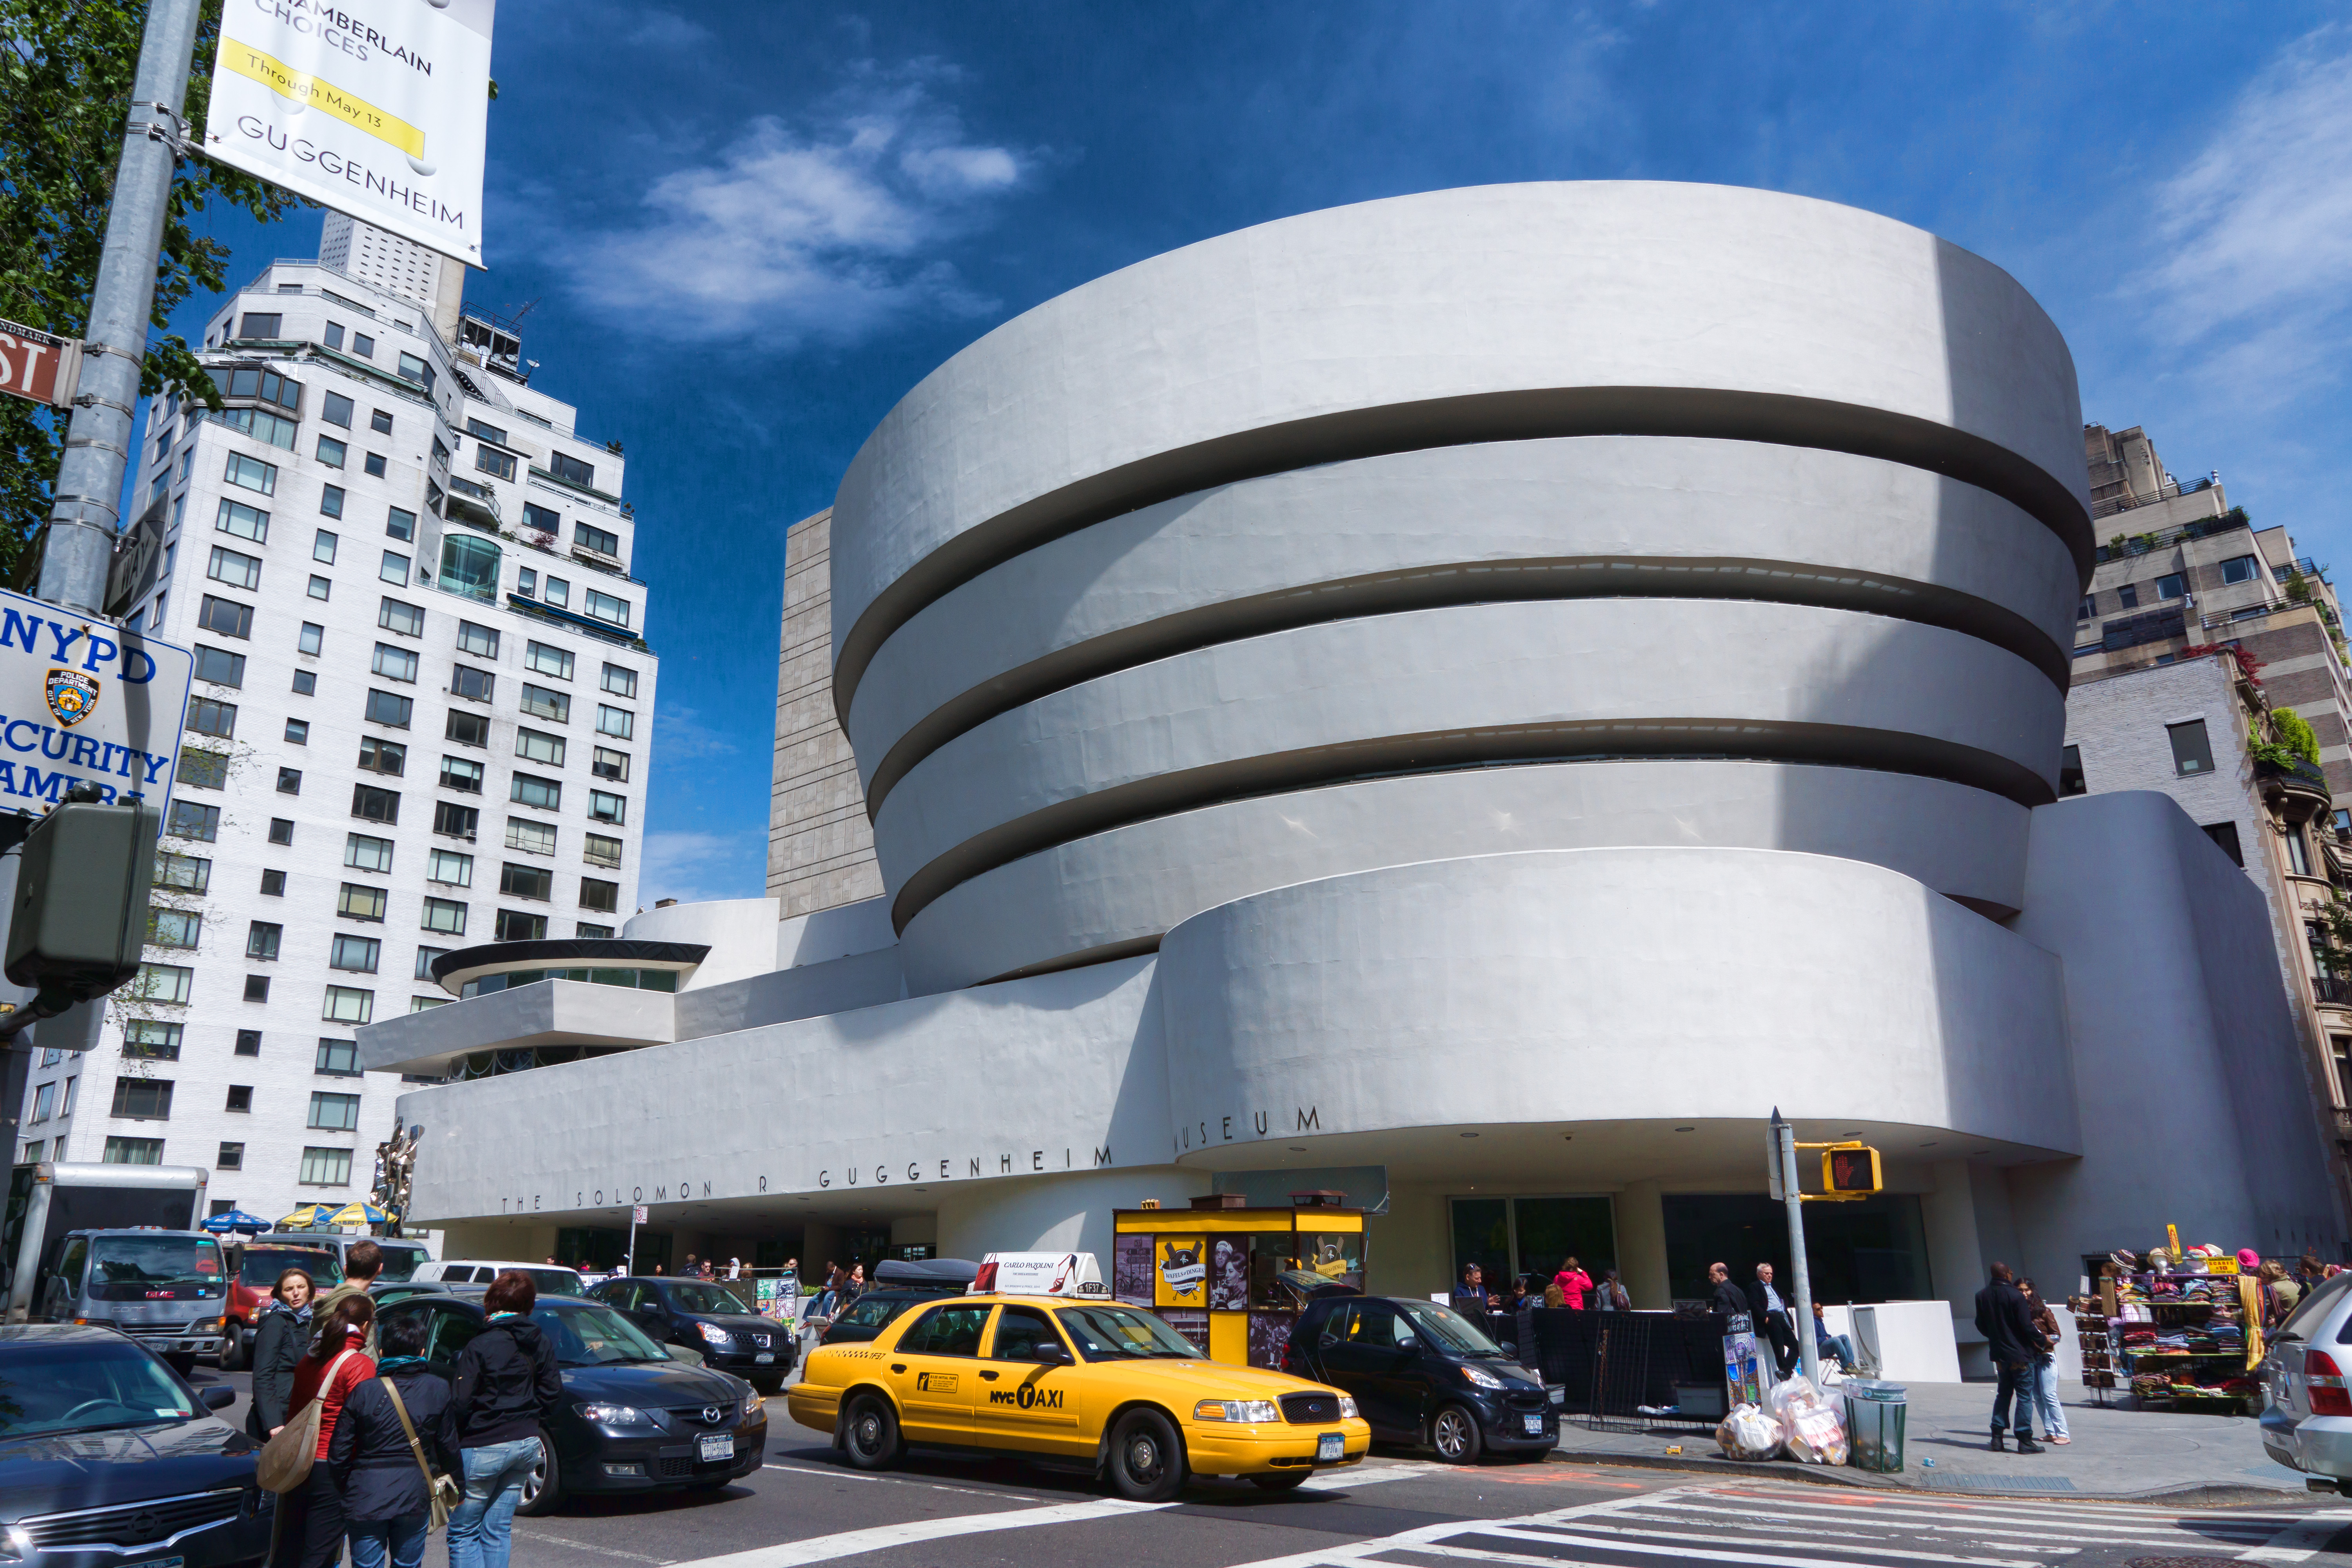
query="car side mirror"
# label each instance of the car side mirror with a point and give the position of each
(1408, 1343)
(1509, 1347)
(1051, 1354)
(218, 1398)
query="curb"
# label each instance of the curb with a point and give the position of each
(2189, 1494)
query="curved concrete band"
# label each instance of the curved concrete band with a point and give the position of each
(1118, 891)
(1558, 518)
(1454, 317)
(1455, 687)
(1624, 985)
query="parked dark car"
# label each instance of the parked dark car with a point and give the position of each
(633, 1419)
(865, 1317)
(107, 1455)
(709, 1319)
(1423, 1374)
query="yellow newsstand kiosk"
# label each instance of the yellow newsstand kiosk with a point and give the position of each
(1229, 1278)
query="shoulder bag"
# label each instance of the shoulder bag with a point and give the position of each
(441, 1492)
(286, 1459)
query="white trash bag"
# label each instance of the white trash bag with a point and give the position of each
(1748, 1433)
(1809, 1426)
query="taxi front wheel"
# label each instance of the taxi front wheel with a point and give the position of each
(869, 1433)
(1146, 1457)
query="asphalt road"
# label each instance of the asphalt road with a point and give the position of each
(1396, 1510)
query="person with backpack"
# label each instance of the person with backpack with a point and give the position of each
(308, 1531)
(387, 1444)
(278, 1345)
(504, 1388)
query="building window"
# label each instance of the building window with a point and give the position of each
(610, 764)
(363, 853)
(2171, 586)
(240, 1097)
(210, 716)
(2340, 1047)
(424, 957)
(206, 770)
(273, 884)
(2127, 596)
(599, 895)
(546, 794)
(338, 1059)
(260, 325)
(448, 866)
(393, 568)
(2191, 752)
(600, 851)
(193, 819)
(163, 982)
(412, 368)
(402, 619)
(582, 928)
(2225, 836)
(174, 928)
(474, 685)
(573, 471)
(152, 1040)
(394, 663)
(331, 1167)
(257, 988)
(2239, 569)
(526, 583)
(348, 1005)
(493, 462)
(541, 702)
(143, 1099)
(466, 728)
(331, 504)
(388, 710)
(606, 607)
(248, 1042)
(225, 617)
(252, 474)
(2298, 853)
(618, 722)
(454, 821)
(480, 641)
(380, 422)
(232, 1157)
(557, 592)
(219, 666)
(461, 774)
(236, 570)
(382, 756)
(398, 523)
(337, 409)
(321, 589)
(548, 659)
(358, 901)
(604, 807)
(423, 1005)
(189, 873)
(281, 830)
(531, 837)
(245, 522)
(514, 925)
(298, 731)
(357, 953)
(601, 540)
(289, 780)
(262, 425)
(44, 1101)
(373, 805)
(469, 566)
(134, 1152)
(332, 1113)
(446, 916)
(261, 940)
(322, 543)
(331, 451)
(538, 746)
(526, 881)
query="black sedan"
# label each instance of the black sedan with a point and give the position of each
(708, 1320)
(1423, 1374)
(867, 1317)
(107, 1455)
(634, 1418)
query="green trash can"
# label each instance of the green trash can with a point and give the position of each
(1875, 1417)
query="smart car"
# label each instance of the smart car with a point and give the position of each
(1423, 1374)
(1104, 1386)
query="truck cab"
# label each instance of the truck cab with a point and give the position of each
(167, 1289)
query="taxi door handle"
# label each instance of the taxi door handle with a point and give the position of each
(898, 1367)
(988, 1377)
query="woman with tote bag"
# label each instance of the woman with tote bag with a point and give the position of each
(278, 1344)
(308, 1529)
(386, 1452)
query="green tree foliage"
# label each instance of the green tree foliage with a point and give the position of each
(66, 75)
(2294, 734)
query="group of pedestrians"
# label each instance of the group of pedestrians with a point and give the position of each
(1570, 1288)
(2022, 1335)
(390, 1426)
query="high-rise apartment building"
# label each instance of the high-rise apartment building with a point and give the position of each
(421, 721)
(820, 844)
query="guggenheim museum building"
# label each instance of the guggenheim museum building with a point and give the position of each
(1469, 700)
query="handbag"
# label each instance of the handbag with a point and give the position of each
(286, 1459)
(441, 1492)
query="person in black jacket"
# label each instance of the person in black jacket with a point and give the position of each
(2007, 1324)
(505, 1386)
(279, 1342)
(1728, 1299)
(386, 1502)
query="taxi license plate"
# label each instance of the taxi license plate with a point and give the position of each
(718, 1448)
(764, 1358)
(1534, 1425)
(1330, 1445)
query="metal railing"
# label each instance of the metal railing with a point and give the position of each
(2332, 992)
(2164, 538)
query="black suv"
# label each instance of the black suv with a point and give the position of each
(708, 1318)
(1422, 1373)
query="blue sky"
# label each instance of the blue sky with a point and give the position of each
(749, 229)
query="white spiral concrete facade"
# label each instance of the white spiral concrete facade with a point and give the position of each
(1569, 478)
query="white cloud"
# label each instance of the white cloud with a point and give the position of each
(2256, 231)
(823, 228)
(668, 30)
(682, 736)
(694, 867)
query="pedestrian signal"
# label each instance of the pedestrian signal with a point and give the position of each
(1851, 1173)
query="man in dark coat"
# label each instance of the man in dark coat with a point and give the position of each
(2007, 1324)
(1772, 1321)
(1728, 1299)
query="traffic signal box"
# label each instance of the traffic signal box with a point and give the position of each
(1850, 1171)
(79, 920)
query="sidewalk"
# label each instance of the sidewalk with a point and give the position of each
(2142, 1456)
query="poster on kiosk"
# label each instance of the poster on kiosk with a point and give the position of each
(1040, 1274)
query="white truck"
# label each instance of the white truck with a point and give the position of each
(49, 1200)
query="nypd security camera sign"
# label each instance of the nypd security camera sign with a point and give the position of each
(84, 701)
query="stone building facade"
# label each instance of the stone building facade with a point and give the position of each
(819, 845)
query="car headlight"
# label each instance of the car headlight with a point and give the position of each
(16, 1543)
(1479, 1377)
(711, 1333)
(754, 1403)
(1236, 1410)
(613, 1415)
(1346, 1408)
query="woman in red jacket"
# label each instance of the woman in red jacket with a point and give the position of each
(309, 1532)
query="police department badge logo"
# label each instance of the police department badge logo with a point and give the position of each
(73, 696)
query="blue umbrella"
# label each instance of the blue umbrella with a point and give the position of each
(236, 1219)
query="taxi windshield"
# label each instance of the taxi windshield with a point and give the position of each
(1122, 1333)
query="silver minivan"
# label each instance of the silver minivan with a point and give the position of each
(167, 1289)
(2306, 1378)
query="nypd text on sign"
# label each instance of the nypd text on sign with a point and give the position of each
(84, 701)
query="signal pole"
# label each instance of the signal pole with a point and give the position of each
(1784, 1151)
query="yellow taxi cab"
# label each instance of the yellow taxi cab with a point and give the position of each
(1109, 1386)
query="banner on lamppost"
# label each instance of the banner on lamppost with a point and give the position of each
(378, 109)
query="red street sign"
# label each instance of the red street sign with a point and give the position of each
(39, 366)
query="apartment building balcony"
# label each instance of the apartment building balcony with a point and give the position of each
(2297, 791)
(2331, 992)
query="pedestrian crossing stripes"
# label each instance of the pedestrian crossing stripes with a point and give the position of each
(1762, 1525)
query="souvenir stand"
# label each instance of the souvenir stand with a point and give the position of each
(1229, 1278)
(2179, 1330)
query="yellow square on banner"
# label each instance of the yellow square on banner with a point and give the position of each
(1182, 1271)
(303, 88)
